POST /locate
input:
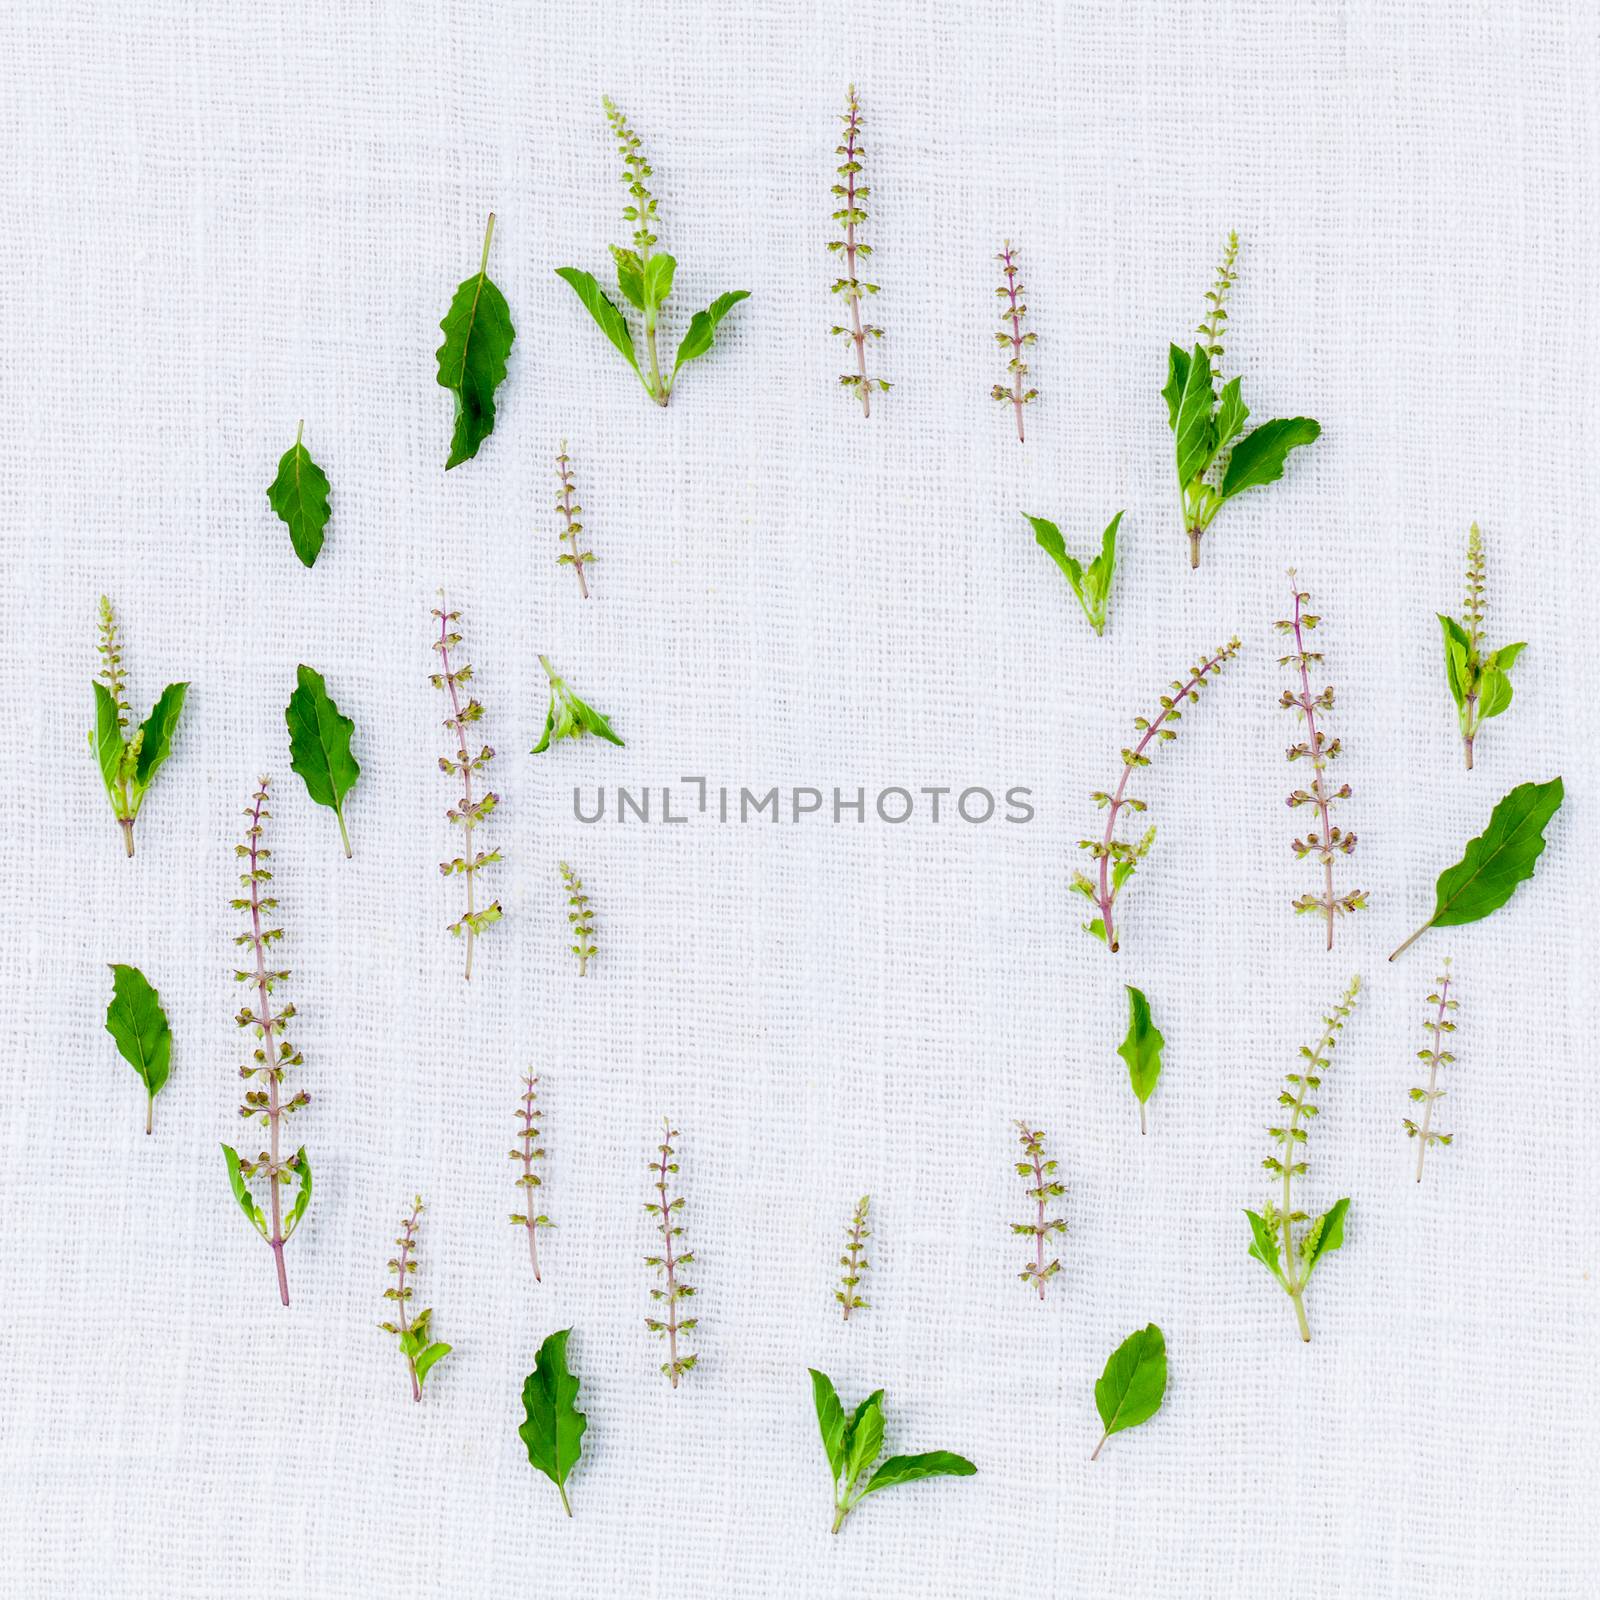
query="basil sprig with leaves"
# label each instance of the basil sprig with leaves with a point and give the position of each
(1494, 863)
(644, 279)
(472, 360)
(139, 1025)
(553, 1431)
(854, 1443)
(1091, 584)
(299, 494)
(568, 717)
(319, 745)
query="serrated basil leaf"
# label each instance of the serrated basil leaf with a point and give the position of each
(299, 495)
(864, 1437)
(1231, 414)
(107, 739)
(658, 274)
(1457, 652)
(302, 1194)
(591, 720)
(1177, 377)
(630, 275)
(155, 742)
(1258, 458)
(606, 315)
(553, 1431)
(908, 1469)
(703, 327)
(426, 1361)
(1195, 438)
(1264, 1246)
(240, 1193)
(1142, 1047)
(1500, 858)
(472, 360)
(139, 1025)
(1134, 1383)
(1048, 537)
(830, 1419)
(319, 745)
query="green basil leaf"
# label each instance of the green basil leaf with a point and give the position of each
(246, 1201)
(1457, 655)
(107, 740)
(703, 327)
(908, 1469)
(472, 360)
(1134, 1383)
(1258, 458)
(630, 275)
(606, 315)
(1494, 693)
(139, 1025)
(1142, 1047)
(1502, 658)
(864, 1438)
(1195, 437)
(1231, 414)
(1177, 378)
(1048, 537)
(1326, 1235)
(1264, 1246)
(553, 1431)
(830, 1419)
(302, 1194)
(299, 494)
(428, 1359)
(592, 722)
(658, 274)
(155, 738)
(319, 745)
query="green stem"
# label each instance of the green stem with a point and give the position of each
(338, 811)
(1413, 939)
(150, 1113)
(561, 1489)
(1300, 1312)
(840, 1513)
(488, 235)
(658, 391)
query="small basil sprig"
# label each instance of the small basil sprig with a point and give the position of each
(1480, 682)
(1091, 584)
(472, 360)
(854, 1443)
(568, 717)
(1205, 427)
(319, 745)
(299, 494)
(644, 277)
(139, 1025)
(1494, 863)
(1134, 1384)
(128, 765)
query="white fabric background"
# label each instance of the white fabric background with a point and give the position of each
(217, 220)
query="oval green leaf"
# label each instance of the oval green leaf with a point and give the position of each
(1134, 1383)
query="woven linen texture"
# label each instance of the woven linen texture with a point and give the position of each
(217, 220)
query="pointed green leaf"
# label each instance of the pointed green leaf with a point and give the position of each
(1142, 1047)
(1264, 1246)
(302, 1194)
(299, 494)
(472, 360)
(155, 743)
(908, 1469)
(1177, 378)
(1500, 858)
(1326, 1235)
(1258, 458)
(1195, 437)
(428, 1359)
(1502, 658)
(1457, 653)
(1048, 537)
(1231, 414)
(1494, 693)
(658, 272)
(107, 740)
(864, 1439)
(593, 722)
(610, 320)
(830, 1419)
(630, 275)
(139, 1025)
(1134, 1383)
(319, 744)
(702, 327)
(1091, 585)
(553, 1431)
(240, 1193)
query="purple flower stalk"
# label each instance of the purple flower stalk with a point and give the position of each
(1013, 338)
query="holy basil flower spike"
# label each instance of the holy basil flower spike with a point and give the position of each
(644, 280)
(568, 717)
(1208, 426)
(128, 760)
(853, 1443)
(1479, 679)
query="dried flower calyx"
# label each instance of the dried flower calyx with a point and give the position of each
(1328, 842)
(128, 762)
(851, 194)
(417, 1345)
(1011, 338)
(269, 1061)
(1119, 858)
(1044, 1187)
(470, 810)
(854, 1261)
(528, 1151)
(1438, 1025)
(664, 1211)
